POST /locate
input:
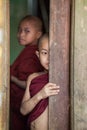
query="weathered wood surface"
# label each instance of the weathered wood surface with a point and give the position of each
(59, 63)
(79, 65)
(4, 64)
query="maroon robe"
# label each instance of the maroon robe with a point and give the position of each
(36, 85)
(25, 64)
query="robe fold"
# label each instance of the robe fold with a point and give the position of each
(36, 85)
(25, 64)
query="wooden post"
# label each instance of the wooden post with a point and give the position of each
(59, 63)
(79, 65)
(4, 64)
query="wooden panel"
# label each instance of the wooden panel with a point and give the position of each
(79, 65)
(4, 64)
(59, 63)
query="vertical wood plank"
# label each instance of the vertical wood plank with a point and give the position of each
(4, 64)
(59, 63)
(79, 65)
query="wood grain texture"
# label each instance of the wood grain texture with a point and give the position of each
(79, 65)
(59, 63)
(4, 64)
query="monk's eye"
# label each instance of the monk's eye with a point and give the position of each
(44, 53)
(19, 30)
(26, 30)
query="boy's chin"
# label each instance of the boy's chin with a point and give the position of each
(23, 44)
(46, 69)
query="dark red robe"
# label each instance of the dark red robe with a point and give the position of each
(25, 64)
(36, 85)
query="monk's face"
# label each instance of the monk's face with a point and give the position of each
(27, 33)
(43, 53)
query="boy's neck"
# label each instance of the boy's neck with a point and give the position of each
(32, 44)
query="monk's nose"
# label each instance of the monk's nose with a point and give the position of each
(22, 33)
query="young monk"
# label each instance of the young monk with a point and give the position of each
(35, 100)
(29, 31)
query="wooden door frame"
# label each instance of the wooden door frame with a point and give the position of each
(54, 42)
(4, 64)
(59, 63)
(4, 46)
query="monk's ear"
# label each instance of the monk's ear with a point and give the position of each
(39, 34)
(37, 53)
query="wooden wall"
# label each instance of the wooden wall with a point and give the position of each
(79, 65)
(4, 64)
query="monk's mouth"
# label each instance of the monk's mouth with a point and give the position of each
(21, 40)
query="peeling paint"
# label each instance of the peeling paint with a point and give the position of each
(1, 99)
(84, 30)
(55, 100)
(1, 35)
(85, 8)
(0, 52)
(82, 23)
(55, 43)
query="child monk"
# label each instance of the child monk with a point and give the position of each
(35, 100)
(29, 31)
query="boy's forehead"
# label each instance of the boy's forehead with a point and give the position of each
(27, 22)
(44, 43)
(30, 24)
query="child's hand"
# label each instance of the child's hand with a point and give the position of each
(49, 89)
